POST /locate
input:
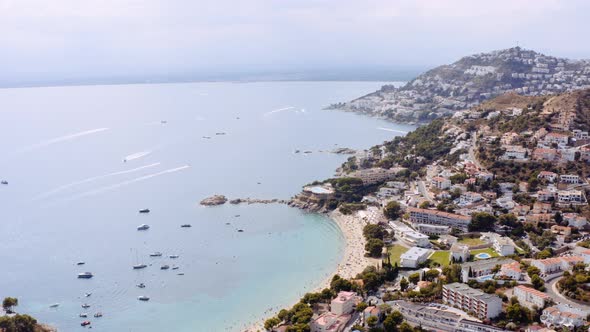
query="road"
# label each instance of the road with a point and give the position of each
(557, 297)
(422, 189)
(471, 153)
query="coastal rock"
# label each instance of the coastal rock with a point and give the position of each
(343, 151)
(214, 200)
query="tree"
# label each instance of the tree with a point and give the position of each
(403, 284)
(392, 210)
(537, 282)
(431, 274)
(338, 284)
(374, 247)
(372, 321)
(482, 221)
(271, 322)
(405, 327)
(9, 303)
(424, 205)
(361, 306)
(414, 277)
(373, 231)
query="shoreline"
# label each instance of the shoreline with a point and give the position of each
(352, 262)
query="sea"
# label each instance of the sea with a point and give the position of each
(81, 161)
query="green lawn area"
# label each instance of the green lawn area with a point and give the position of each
(441, 257)
(395, 252)
(489, 251)
(471, 241)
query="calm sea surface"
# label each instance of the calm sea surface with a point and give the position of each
(71, 198)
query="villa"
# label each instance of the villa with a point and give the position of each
(482, 269)
(459, 253)
(561, 315)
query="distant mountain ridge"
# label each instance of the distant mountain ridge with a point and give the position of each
(471, 80)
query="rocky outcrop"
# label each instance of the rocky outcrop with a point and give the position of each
(214, 200)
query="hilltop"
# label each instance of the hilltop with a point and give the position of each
(473, 79)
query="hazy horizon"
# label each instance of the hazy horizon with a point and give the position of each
(66, 41)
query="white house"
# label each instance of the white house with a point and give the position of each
(414, 257)
(530, 296)
(561, 315)
(459, 253)
(343, 303)
(569, 178)
(440, 183)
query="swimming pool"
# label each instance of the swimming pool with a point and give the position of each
(483, 255)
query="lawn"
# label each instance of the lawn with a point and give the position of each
(395, 252)
(471, 241)
(489, 251)
(441, 257)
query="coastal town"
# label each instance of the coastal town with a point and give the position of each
(477, 222)
(471, 80)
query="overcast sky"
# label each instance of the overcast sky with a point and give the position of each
(60, 39)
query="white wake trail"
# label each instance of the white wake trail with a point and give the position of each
(128, 182)
(137, 155)
(279, 110)
(64, 138)
(94, 178)
(393, 130)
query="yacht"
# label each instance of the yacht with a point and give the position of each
(164, 267)
(240, 230)
(144, 211)
(85, 275)
(55, 305)
(185, 225)
(83, 315)
(156, 254)
(4, 182)
(143, 227)
(86, 306)
(175, 268)
(173, 256)
(85, 323)
(98, 315)
(87, 294)
(143, 298)
(142, 285)
(139, 266)
(80, 263)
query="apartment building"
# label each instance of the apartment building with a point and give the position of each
(435, 217)
(530, 296)
(472, 300)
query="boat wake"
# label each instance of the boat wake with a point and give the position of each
(94, 178)
(63, 139)
(392, 130)
(128, 182)
(136, 155)
(279, 110)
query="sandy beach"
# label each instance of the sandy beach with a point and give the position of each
(353, 259)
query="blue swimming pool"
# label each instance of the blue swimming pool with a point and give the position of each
(483, 255)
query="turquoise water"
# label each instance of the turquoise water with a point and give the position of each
(71, 197)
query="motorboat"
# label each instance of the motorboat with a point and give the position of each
(80, 263)
(83, 315)
(85, 275)
(156, 254)
(175, 268)
(85, 323)
(143, 298)
(87, 294)
(207, 137)
(144, 211)
(55, 305)
(141, 285)
(220, 134)
(139, 266)
(240, 230)
(180, 274)
(185, 225)
(98, 315)
(173, 256)
(143, 227)
(164, 267)
(86, 306)
(4, 182)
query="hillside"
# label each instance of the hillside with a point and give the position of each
(470, 81)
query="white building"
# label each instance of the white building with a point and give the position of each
(575, 220)
(503, 245)
(343, 303)
(414, 257)
(570, 196)
(511, 270)
(530, 296)
(459, 253)
(435, 217)
(569, 178)
(549, 176)
(482, 268)
(515, 152)
(440, 183)
(561, 315)
(556, 264)
(412, 237)
(469, 197)
(433, 229)
(472, 300)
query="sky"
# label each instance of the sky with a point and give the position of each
(74, 39)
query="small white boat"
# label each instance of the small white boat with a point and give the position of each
(55, 305)
(143, 298)
(86, 306)
(156, 254)
(98, 315)
(173, 256)
(84, 315)
(164, 267)
(142, 285)
(85, 275)
(143, 227)
(139, 266)
(87, 294)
